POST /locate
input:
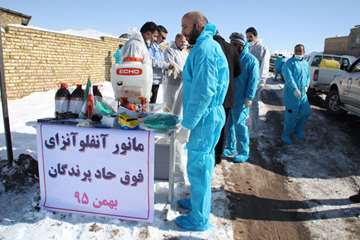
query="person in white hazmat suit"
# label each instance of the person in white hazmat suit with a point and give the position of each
(260, 51)
(135, 51)
(262, 54)
(181, 153)
(173, 98)
(176, 55)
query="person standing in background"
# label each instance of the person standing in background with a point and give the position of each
(160, 66)
(262, 54)
(232, 57)
(297, 107)
(245, 86)
(173, 97)
(161, 40)
(117, 55)
(136, 50)
(176, 54)
(260, 51)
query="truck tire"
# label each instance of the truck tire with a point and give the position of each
(311, 93)
(333, 102)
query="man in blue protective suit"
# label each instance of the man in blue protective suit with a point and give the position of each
(297, 107)
(205, 83)
(245, 89)
(117, 55)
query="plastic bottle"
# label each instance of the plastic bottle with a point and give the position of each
(76, 101)
(97, 94)
(62, 98)
(90, 104)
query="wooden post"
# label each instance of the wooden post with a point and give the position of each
(9, 149)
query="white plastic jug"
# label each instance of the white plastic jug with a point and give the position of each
(132, 79)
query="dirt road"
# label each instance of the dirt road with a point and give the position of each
(298, 191)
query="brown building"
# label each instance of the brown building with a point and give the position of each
(38, 60)
(344, 45)
(8, 16)
(354, 41)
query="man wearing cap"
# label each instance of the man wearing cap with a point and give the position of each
(245, 87)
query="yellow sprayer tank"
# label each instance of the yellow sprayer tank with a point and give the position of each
(329, 63)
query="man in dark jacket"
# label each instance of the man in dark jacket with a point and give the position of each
(232, 58)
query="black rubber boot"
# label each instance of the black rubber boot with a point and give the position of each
(217, 160)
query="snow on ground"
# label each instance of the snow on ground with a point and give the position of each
(326, 170)
(23, 115)
(90, 33)
(336, 178)
(18, 219)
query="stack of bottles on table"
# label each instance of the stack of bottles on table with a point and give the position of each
(89, 104)
(80, 103)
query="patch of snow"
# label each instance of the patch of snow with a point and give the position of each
(18, 219)
(90, 33)
(87, 33)
(323, 170)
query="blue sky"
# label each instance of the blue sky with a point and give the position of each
(281, 23)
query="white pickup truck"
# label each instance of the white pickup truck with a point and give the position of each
(344, 95)
(320, 78)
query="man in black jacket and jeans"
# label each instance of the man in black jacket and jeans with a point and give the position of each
(232, 57)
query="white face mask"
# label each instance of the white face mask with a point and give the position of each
(299, 57)
(251, 43)
(148, 43)
(164, 44)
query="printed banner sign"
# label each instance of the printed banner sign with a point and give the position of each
(105, 172)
